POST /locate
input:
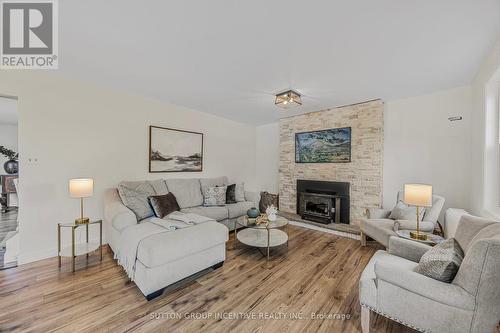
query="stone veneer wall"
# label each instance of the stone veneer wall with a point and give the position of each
(364, 172)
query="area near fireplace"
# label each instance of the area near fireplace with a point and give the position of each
(363, 173)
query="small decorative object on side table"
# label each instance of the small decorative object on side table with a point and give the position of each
(78, 249)
(430, 239)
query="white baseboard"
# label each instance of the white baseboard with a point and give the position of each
(326, 230)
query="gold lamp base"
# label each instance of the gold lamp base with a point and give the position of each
(418, 235)
(82, 220)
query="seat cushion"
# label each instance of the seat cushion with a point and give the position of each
(239, 209)
(186, 191)
(367, 282)
(165, 247)
(378, 229)
(217, 213)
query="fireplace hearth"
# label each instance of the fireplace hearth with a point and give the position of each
(323, 201)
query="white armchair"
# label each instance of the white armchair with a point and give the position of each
(379, 227)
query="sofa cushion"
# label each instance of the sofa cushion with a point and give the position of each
(163, 204)
(468, 227)
(135, 195)
(159, 186)
(217, 213)
(214, 196)
(186, 191)
(165, 247)
(210, 182)
(442, 261)
(239, 209)
(379, 229)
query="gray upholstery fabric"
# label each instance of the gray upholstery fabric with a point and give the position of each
(406, 248)
(378, 213)
(378, 229)
(471, 303)
(467, 229)
(214, 196)
(159, 186)
(404, 212)
(210, 182)
(442, 261)
(167, 247)
(412, 225)
(186, 191)
(135, 195)
(116, 213)
(217, 213)
(238, 209)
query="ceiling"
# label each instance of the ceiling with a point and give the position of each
(228, 58)
(8, 111)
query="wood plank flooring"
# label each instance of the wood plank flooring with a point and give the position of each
(318, 273)
(8, 223)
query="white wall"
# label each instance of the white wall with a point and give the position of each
(421, 145)
(8, 138)
(484, 170)
(267, 157)
(79, 130)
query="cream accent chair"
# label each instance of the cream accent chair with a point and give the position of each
(470, 303)
(380, 227)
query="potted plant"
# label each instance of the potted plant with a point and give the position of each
(11, 166)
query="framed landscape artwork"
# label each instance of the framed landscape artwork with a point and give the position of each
(172, 150)
(326, 146)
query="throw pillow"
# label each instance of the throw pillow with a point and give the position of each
(215, 196)
(267, 199)
(135, 195)
(239, 192)
(163, 204)
(404, 212)
(231, 194)
(442, 261)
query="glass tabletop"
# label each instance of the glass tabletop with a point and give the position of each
(73, 224)
(431, 238)
(249, 222)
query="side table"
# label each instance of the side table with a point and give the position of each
(77, 249)
(431, 238)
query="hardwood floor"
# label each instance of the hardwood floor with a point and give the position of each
(8, 223)
(318, 274)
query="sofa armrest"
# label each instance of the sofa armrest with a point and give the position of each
(116, 213)
(378, 213)
(253, 196)
(408, 249)
(442, 292)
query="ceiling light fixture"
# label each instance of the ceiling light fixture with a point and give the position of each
(288, 99)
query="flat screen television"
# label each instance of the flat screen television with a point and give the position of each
(325, 146)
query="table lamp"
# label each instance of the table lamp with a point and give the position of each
(419, 195)
(81, 188)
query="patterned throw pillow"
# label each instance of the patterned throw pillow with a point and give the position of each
(231, 194)
(404, 212)
(442, 261)
(215, 196)
(267, 199)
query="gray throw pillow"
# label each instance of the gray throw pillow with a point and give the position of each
(239, 192)
(214, 196)
(442, 261)
(404, 212)
(135, 195)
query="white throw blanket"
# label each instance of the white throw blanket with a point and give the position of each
(132, 236)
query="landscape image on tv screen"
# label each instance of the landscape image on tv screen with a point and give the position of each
(326, 146)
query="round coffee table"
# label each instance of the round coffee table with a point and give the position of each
(264, 235)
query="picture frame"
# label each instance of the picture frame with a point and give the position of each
(174, 150)
(323, 146)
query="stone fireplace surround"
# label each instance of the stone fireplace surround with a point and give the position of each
(364, 172)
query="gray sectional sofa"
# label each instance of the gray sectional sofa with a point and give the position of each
(163, 258)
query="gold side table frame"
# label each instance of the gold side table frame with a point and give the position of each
(73, 227)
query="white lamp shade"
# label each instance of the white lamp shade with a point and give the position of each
(81, 187)
(418, 195)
